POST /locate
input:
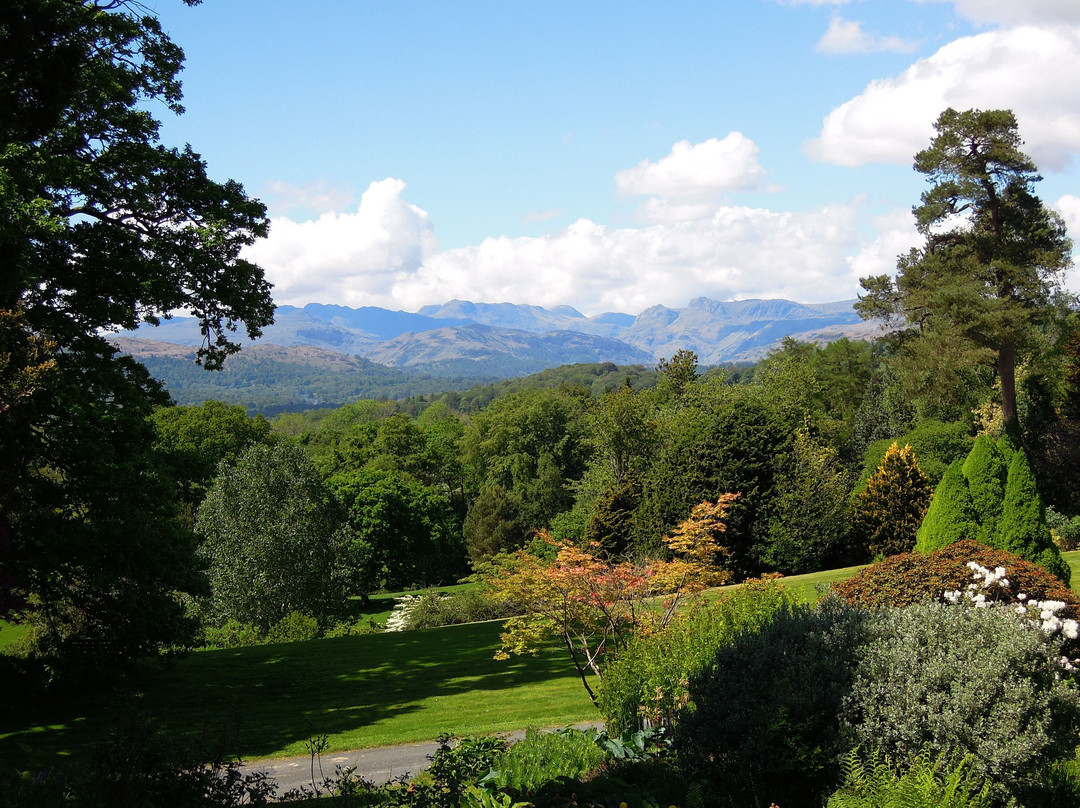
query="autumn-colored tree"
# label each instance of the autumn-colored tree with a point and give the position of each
(594, 606)
(888, 512)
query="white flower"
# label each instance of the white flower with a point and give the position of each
(1021, 597)
(1070, 629)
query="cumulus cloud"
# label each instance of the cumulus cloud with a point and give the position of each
(896, 235)
(383, 255)
(696, 172)
(848, 36)
(1016, 12)
(1069, 208)
(347, 257)
(1022, 69)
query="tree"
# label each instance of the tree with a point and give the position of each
(409, 531)
(888, 512)
(992, 255)
(594, 606)
(275, 541)
(951, 516)
(101, 228)
(808, 526)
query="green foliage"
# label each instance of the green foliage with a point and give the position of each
(908, 578)
(1022, 528)
(1066, 531)
(454, 767)
(935, 443)
(433, 609)
(970, 681)
(807, 524)
(233, 634)
(495, 524)
(194, 440)
(648, 681)
(274, 541)
(951, 516)
(293, 627)
(724, 439)
(545, 756)
(611, 523)
(921, 782)
(765, 723)
(887, 513)
(408, 531)
(985, 470)
(533, 445)
(980, 501)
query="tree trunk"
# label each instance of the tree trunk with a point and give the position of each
(1007, 373)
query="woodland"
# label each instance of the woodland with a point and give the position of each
(593, 508)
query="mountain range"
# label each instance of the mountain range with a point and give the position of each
(492, 338)
(324, 355)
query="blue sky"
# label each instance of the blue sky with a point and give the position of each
(609, 156)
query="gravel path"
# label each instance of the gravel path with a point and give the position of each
(379, 765)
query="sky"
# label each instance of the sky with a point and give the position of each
(609, 156)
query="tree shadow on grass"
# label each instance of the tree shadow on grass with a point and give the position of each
(281, 695)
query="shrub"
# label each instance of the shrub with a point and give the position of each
(647, 682)
(545, 756)
(233, 634)
(936, 443)
(951, 515)
(293, 627)
(454, 767)
(1022, 528)
(908, 578)
(887, 513)
(1066, 532)
(347, 629)
(979, 681)
(939, 782)
(764, 725)
(433, 609)
(986, 470)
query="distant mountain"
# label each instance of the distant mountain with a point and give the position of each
(504, 339)
(501, 351)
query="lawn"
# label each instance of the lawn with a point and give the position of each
(370, 690)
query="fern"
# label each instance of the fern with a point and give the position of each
(941, 782)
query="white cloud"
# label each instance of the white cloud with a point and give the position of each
(848, 36)
(696, 172)
(347, 257)
(382, 255)
(1069, 208)
(1016, 12)
(312, 198)
(896, 235)
(1022, 69)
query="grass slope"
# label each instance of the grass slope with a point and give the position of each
(364, 691)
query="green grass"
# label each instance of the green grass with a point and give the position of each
(10, 633)
(364, 691)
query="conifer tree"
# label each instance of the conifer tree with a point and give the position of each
(1022, 528)
(951, 515)
(887, 513)
(986, 470)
